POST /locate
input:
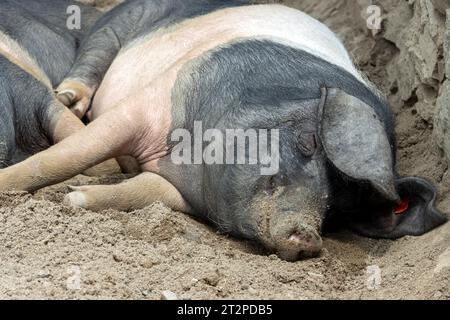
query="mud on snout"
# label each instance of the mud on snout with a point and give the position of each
(291, 231)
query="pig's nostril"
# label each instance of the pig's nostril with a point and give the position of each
(306, 244)
(295, 240)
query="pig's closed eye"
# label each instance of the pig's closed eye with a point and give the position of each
(308, 144)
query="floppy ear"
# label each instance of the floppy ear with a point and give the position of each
(416, 216)
(355, 141)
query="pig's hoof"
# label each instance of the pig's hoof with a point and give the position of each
(76, 199)
(75, 95)
(66, 97)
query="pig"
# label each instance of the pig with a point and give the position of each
(36, 52)
(151, 72)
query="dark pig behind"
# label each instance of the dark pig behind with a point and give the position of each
(37, 50)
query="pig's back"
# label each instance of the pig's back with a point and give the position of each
(157, 57)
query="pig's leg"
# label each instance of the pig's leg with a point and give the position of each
(135, 193)
(111, 135)
(63, 124)
(96, 54)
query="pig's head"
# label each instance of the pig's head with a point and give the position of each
(325, 145)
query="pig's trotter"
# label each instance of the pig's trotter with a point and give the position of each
(135, 193)
(76, 95)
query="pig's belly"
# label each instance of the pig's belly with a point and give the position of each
(155, 59)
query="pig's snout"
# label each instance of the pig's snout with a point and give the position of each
(289, 222)
(295, 235)
(300, 243)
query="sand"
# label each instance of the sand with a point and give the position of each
(48, 250)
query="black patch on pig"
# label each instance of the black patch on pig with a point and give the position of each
(24, 104)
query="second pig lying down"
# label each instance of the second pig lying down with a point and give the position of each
(154, 68)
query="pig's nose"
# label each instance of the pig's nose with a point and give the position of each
(302, 243)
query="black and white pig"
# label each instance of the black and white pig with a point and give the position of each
(152, 68)
(37, 50)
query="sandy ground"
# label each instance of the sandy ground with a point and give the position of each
(48, 250)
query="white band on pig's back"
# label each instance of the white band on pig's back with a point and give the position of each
(158, 56)
(17, 55)
(274, 22)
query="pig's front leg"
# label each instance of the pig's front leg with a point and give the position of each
(133, 194)
(111, 135)
(95, 56)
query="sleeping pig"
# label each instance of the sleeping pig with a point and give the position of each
(160, 79)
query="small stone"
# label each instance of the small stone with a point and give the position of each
(168, 295)
(43, 275)
(245, 287)
(315, 275)
(118, 257)
(212, 279)
(252, 291)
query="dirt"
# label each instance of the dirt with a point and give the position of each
(48, 250)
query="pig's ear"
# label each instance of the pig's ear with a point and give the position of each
(417, 214)
(355, 141)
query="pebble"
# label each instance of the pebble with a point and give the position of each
(252, 291)
(168, 295)
(315, 275)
